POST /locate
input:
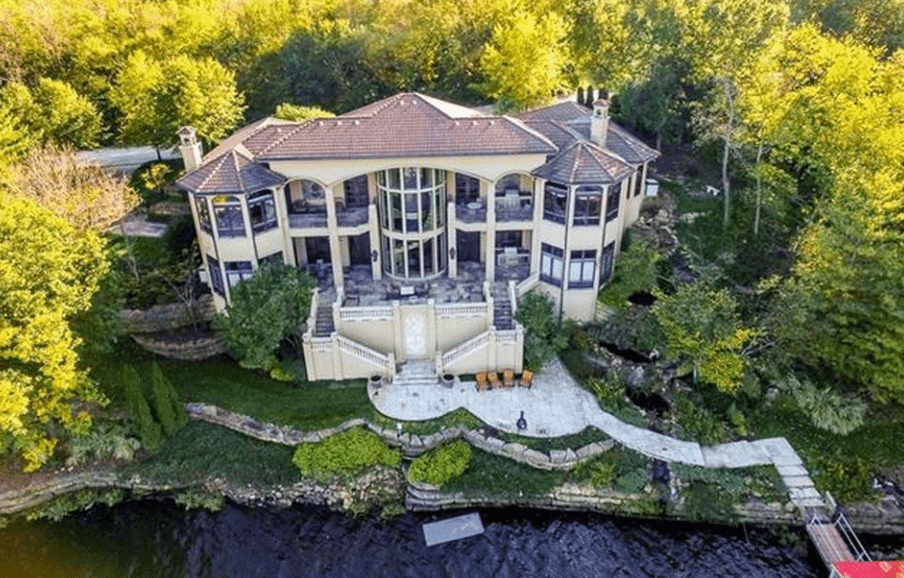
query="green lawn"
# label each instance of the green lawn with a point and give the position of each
(201, 450)
(220, 381)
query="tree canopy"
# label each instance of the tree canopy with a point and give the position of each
(266, 309)
(48, 275)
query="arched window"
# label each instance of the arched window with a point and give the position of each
(227, 210)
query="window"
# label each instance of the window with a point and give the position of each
(587, 204)
(581, 269)
(551, 264)
(555, 202)
(467, 189)
(228, 212)
(203, 213)
(262, 210)
(356, 192)
(216, 276)
(238, 271)
(606, 262)
(638, 183)
(612, 200)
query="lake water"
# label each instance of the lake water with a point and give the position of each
(159, 538)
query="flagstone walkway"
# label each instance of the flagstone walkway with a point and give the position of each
(556, 406)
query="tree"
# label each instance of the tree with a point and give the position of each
(544, 336)
(148, 430)
(85, 195)
(299, 113)
(48, 275)
(522, 65)
(156, 98)
(54, 113)
(169, 410)
(658, 104)
(266, 309)
(701, 325)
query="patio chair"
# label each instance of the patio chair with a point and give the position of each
(494, 380)
(508, 378)
(482, 381)
(527, 378)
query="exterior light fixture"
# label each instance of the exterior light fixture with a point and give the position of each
(374, 255)
(452, 253)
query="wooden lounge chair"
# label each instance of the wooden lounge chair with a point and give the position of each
(527, 378)
(494, 380)
(482, 381)
(508, 378)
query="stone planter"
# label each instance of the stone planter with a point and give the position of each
(376, 380)
(448, 379)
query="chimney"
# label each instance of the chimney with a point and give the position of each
(189, 147)
(599, 122)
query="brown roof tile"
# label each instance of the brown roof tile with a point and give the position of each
(563, 111)
(404, 125)
(584, 163)
(229, 173)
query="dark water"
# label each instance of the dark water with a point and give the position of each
(143, 539)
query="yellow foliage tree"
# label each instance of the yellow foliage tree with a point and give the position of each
(49, 274)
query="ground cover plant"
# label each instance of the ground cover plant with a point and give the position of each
(346, 454)
(441, 464)
(495, 476)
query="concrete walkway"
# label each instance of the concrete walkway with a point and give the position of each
(556, 406)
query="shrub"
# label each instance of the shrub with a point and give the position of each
(346, 454)
(544, 336)
(697, 422)
(828, 410)
(166, 403)
(440, 465)
(107, 441)
(611, 396)
(143, 422)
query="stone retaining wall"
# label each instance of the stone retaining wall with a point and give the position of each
(411, 445)
(165, 317)
(574, 497)
(187, 350)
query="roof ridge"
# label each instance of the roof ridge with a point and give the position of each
(215, 169)
(522, 126)
(238, 171)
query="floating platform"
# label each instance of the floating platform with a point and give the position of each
(453, 529)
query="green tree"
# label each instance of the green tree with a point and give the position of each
(299, 113)
(143, 423)
(156, 98)
(266, 309)
(169, 410)
(701, 326)
(48, 275)
(523, 63)
(54, 113)
(544, 337)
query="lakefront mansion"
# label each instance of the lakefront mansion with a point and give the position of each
(423, 221)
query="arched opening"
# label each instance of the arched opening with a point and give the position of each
(306, 203)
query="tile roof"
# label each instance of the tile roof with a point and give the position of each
(404, 125)
(416, 125)
(231, 173)
(584, 163)
(562, 111)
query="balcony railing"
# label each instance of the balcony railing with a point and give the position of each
(307, 220)
(472, 212)
(352, 217)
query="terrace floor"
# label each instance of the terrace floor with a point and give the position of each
(362, 290)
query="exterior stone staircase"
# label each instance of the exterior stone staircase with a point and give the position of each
(324, 324)
(502, 307)
(417, 372)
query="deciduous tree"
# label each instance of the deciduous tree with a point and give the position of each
(266, 309)
(523, 63)
(49, 274)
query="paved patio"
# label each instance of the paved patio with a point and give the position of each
(556, 406)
